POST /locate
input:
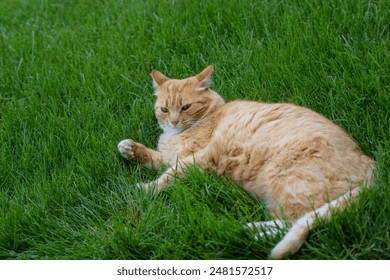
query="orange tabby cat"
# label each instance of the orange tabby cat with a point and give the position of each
(297, 161)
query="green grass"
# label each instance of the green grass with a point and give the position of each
(75, 80)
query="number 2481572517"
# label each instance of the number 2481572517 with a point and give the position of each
(241, 270)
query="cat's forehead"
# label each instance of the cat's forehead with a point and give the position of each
(175, 92)
(176, 97)
(171, 99)
(172, 86)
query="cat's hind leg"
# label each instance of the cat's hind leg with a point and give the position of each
(268, 228)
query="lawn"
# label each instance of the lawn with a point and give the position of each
(75, 80)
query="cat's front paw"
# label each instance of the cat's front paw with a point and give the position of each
(127, 148)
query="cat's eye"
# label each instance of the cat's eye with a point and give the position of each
(164, 109)
(186, 107)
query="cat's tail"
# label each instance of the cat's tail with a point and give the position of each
(296, 236)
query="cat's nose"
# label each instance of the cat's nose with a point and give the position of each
(174, 122)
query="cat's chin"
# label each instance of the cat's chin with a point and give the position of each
(172, 130)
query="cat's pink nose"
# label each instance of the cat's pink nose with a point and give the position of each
(175, 122)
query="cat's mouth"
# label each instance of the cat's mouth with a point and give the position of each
(169, 128)
(172, 129)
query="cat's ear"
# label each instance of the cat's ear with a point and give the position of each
(158, 78)
(204, 77)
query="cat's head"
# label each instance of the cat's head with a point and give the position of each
(182, 103)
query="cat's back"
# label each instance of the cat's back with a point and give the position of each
(275, 123)
(270, 148)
